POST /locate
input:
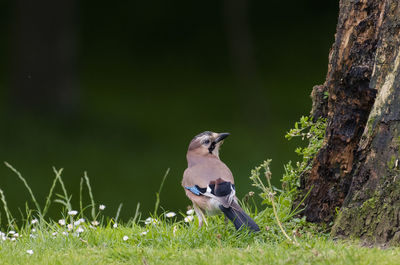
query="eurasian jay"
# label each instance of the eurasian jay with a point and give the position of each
(209, 183)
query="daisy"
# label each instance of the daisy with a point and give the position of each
(125, 238)
(73, 212)
(102, 207)
(150, 221)
(189, 218)
(170, 214)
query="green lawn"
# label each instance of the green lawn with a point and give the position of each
(169, 242)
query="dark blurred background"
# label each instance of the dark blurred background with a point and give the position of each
(120, 88)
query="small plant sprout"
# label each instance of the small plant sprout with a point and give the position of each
(29, 251)
(188, 218)
(102, 207)
(190, 212)
(72, 212)
(170, 214)
(125, 238)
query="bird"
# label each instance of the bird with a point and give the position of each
(209, 183)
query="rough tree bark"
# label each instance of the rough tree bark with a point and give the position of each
(357, 169)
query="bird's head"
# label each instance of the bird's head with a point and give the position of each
(207, 143)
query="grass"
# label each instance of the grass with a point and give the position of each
(162, 240)
(84, 235)
(216, 244)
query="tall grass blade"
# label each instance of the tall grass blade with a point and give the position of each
(91, 195)
(26, 185)
(118, 212)
(48, 199)
(158, 193)
(66, 199)
(9, 216)
(137, 213)
(80, 196)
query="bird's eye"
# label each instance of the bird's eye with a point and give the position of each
(206, 141)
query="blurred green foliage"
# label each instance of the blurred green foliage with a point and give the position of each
(153, 74)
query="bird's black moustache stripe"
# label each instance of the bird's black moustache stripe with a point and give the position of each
(212, 147)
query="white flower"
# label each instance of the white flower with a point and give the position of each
(190, 212)
(150, 221)
(80, 221)
(16, 235)
(12, 239)
(54, 234)
(102, 207)
(170, 214)
(189, 218)
(32, 236)
(12, 232)
(144, 232)
(70, 227)
(80, 230)
(125, 238)
(29, 251)
(33, 230)
(61, 222)
(65, 233)
(95, 223)
(115, 225)
(73, 212)
(34, 221)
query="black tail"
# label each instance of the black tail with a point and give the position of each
(239, 218)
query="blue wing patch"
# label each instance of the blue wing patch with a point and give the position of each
(194, 190)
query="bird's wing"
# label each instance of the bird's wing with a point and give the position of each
(219, 190)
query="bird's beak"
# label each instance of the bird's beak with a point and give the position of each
(221, 137)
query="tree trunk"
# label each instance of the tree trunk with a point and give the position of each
(357, 167)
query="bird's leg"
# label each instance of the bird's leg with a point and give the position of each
(200, 215)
